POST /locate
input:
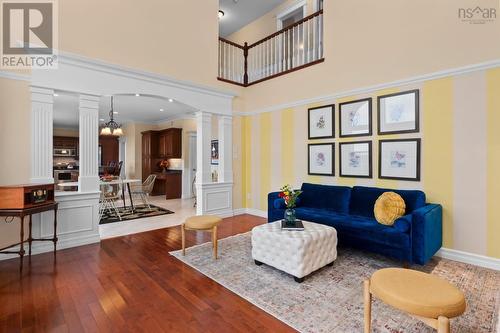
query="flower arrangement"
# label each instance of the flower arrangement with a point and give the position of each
(163, 164)
(289, 195)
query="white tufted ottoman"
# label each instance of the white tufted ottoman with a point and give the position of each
(298, 253)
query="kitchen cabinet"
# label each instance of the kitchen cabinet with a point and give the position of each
(168, 184)
(149, 153)
(170, 143)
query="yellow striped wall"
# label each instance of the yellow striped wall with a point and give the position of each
(460, 157)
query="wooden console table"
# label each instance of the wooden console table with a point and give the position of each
(22, 213)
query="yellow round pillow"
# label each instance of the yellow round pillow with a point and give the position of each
(389, 207)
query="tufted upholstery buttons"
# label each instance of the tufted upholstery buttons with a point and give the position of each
(298, 253)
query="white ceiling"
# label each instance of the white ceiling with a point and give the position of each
(239, 13)
(130, 108)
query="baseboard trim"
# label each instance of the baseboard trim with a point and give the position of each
(43, 247)
(469, 258)
(251, 211)
(445, 253)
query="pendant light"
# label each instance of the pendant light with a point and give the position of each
(111, 127)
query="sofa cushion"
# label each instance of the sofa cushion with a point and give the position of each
(334, 198)
(363, 200)
(364, 228)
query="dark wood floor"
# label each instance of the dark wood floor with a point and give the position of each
(126, 284)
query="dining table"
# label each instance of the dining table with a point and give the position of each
(125, 181)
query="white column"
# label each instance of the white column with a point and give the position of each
(88, 181)
(226, 149)
(42, 105)
(203, 173)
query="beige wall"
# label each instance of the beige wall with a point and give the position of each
(15, 131)
(266, 24)
(371, 42)
(66, 132)
(174, 38)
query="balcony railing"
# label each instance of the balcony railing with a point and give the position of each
(295, 47)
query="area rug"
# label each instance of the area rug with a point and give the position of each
(330, 300)
(141, 211)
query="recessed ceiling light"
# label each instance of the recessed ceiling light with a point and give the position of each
(221, 14)
(137, 95)
(170, 100)
(55, 95)
(161, 110)
(115, 112)
(101, 119)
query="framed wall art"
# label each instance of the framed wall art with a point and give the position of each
(355, 118)
(214, 152)
(321, 122)
(399, 159)
(398, 113)
(355, 159)
(321, 159)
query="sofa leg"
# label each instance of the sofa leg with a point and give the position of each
(330, 264)
(406, 264)
(298, 280)
(258, 263)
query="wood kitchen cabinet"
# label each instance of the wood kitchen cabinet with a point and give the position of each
(149, 153)
(170, 143)
(168, 184)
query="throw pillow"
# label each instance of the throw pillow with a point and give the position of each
(389, 207)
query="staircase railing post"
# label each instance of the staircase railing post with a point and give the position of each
(245, 55)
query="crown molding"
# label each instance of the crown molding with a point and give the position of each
(105, 67)
(14, 76)
(119, 70)
(370, 89)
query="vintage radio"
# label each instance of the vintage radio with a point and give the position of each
(26, 196)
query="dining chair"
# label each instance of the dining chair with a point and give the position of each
(144, 190)
(110, 193)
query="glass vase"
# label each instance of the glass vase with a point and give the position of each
(289, 215)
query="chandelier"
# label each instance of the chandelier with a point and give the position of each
(111, 127)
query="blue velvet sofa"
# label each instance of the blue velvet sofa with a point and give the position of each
(414, 238)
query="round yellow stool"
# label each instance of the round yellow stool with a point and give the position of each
(203, 223)
(424, 296)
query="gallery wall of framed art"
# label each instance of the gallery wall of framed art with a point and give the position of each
(399, 159)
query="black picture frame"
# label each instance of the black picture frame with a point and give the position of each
(416, 92)
(370, 159)
(418, 159)
(370, 118)
(332, 173)
(332, 106)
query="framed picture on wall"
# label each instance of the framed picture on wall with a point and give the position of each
(398, 113)
(355, 159)
(321, 161)
(355, 118)
(321, 122)
(399, 159)
(214, 152)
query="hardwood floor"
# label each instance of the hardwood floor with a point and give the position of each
(127, 284)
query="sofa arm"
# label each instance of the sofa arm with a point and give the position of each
(427, 232)
(273, 214)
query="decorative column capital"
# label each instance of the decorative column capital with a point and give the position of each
(42, 95)
(89, 101)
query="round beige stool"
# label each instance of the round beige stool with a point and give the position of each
(424, 296)
(202, 223)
